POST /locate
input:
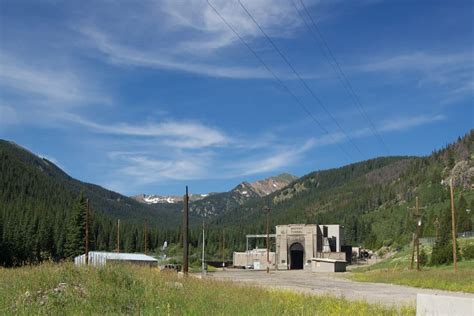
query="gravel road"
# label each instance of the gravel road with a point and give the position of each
(329, 283)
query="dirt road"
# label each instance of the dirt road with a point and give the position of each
(329, 283)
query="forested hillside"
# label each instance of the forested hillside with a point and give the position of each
(370, 198)
(37, 202)
(39, 205)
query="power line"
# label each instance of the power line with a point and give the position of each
(280, 82)
(308, 88)
(340, 73)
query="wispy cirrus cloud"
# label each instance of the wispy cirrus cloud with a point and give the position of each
(123, 55)
(147, 168)
(418, 61)
(449, 69)
(176, 134)
(405, 123)
(63, 86)
(186, 36)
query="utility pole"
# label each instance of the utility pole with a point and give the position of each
(185, 233)
(145, 238)
(223, 249)
(436, 224)
(418, 225)
(453, 226)
(87, 231)
(203, 267)
(118, 235)
(267, 210)
(413, 252)
(416, 241)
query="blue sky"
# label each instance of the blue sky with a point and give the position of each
(145, 97)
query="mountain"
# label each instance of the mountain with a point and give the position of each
(38, 201)
(166, 199)
(219, 203)
(18, 162)
(370, 198)
(266, 186)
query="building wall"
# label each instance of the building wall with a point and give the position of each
(310, 236)
(321, 266)
(332, 255)
(287, 235)
(336, 232)
(256, 258)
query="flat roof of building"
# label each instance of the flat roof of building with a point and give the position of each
(122, 256)
(328, 260)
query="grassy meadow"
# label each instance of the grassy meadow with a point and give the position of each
(64, 289)
(395, 270)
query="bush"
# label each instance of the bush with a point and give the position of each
(442, 254)
(423, 259)
(468, 252)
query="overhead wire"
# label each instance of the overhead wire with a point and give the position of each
(303, 82)
(328, 54)
(279, 81)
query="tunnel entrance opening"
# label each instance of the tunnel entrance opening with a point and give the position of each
(296, 256)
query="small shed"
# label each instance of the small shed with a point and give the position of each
(328, 265)
(100, 259)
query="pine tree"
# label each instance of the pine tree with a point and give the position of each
(443, 248)
(76, 230)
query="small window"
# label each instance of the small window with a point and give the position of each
(309, 261)
(283, 261)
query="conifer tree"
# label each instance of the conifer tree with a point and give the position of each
(76, 230)
(443, 248)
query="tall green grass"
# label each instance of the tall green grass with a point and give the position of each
(62, 289)
(396, 270)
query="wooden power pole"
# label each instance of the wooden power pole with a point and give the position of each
(145, 238)
(223, 249)
(413, 252)
(416, 237)
(87, 231)
(436, 225)
(118, 236)
(185, 233)
(267, 210)
(453, 225)
(203, 264)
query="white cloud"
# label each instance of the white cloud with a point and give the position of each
(170, 133)
(120, 54)
(405, 123)
(185, 36)
(416, 61)
(63, 86)
(451, 70)
(276, 160)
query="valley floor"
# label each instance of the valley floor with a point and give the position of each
(332, 284)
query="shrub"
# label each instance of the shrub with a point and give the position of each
(468, 252)
(423, 259)
(442, 254)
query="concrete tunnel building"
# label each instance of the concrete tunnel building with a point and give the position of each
(295, 247)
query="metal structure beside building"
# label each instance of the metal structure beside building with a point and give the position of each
(100, 259)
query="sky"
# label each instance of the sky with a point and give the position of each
(150, 96)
